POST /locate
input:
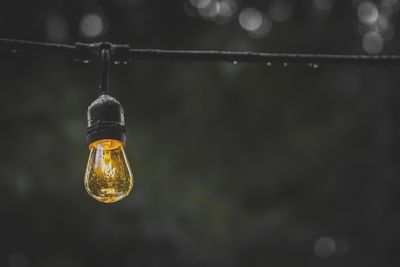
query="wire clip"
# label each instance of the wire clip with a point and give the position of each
(118, 52)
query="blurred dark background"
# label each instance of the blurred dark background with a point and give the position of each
(235, 164)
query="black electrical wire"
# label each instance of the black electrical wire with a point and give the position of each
(122, 53)
(256, 57)
(105, 65)
(15, 46)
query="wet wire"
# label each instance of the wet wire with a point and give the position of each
(105, 65)
(121, 53)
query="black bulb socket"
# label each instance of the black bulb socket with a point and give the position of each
(106, 120)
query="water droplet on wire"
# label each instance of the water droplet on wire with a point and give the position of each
(117, 62)
(316, 66)
(285, 64)
(86, 61)
(269, 64)
(13, 51)
(235, 62)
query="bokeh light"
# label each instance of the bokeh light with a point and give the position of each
(218, 11)
(200, 3)
(368, 13)
(373, 42)
(372, 16)
(325, 247)
(375, 23)
(254, 22)
(92, 25)
(250, 19)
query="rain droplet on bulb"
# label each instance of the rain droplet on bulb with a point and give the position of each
(285, 64)
(269, 64)
(316, 66)
(235, 62)
(86, 61)
(117, 62)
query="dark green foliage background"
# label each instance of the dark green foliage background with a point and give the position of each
(236, 165)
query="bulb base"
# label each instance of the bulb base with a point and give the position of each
(106, 120)
(106, 130)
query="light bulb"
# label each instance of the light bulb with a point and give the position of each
(108, 177)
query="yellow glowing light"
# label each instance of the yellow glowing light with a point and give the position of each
(108, 177)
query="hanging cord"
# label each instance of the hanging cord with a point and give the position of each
(123, 53)
(105, 66)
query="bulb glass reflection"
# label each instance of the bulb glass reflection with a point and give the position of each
(108, 177)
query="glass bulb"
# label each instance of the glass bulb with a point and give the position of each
(108, 177)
